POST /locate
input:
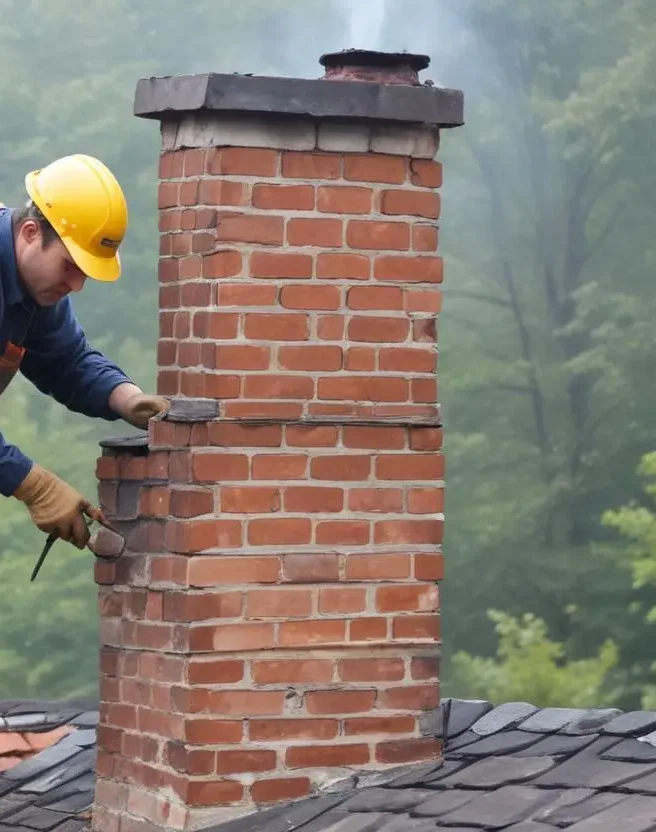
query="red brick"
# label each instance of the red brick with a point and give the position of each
(424, 330)
(375, 297)
(391, 438)
(251, 228)
(263, 409)
(218, 467)
(275, 730)
(339, 600)
(340, 701)
(189, 192)
(330, 327)
(426, 173)
(303, 499)
(429, 567)
(171, 164)
(343, 532)
(425, 238)
(417, 626)
(408, 598)
(241, 357)
(423, 389)
(278, 603)
(202, 243)
(339, 199)
(426, 438)
(408, 531)
(190, 761)
(362, 389)
(310, 297)
(309, 436)
(341, 468)
(425, 500)
(409, 269)
(167, 194)
(369, 629)
(280, 467)
(311, 568)
(219, 386)
(213, 731)
(279, 531)
(379, 725)
(297, 165)
(215, 325)
(360, 359)
(408, 750)
(215, 671)
(280, 789)
(278, 387)
(410, 203)
(169, 297)
(425, 667)
(409, 698)
(237, 762)
(195, 294)
(278, 327)
(218, 571)
(249, 500)
(371, 670)
(372, 167)
(283, 197)
(343, 266)
(313, 632)
(211, 792)
(387, 500)
(189, 353)
(239, 294)
(222, 192)
(377, 567)
(423, 300)
(194, 162)
(310, 358)
(377, 235)
(315, 231)
(245, 436)
(325, 756)
(378, 329)
(229, 637)
(408, 359)
(168, 271)
(280, 265)
(291, 671)
(246, 161)
(410, 467)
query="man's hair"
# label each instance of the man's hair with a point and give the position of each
(31, 212)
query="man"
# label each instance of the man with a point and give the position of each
(70, 230)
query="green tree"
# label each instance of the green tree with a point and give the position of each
(530, 667)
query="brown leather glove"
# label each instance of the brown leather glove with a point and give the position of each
(56, 507)
(141, 407)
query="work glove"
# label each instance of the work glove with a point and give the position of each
(56, 507)
(141, 407)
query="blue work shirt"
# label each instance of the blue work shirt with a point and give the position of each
(58, 359)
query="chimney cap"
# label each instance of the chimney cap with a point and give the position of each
(371, 57)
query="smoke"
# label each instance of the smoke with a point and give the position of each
(365, 23)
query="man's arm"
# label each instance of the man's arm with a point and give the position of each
(14, 467)
(61, 363)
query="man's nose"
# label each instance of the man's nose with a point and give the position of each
(76, 282)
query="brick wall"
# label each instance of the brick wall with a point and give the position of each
(299, 284)
(273, 625)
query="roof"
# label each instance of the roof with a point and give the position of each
(514, 768)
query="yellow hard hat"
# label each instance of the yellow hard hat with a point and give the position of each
(82, 200)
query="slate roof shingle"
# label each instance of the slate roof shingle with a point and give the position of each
(514, 768)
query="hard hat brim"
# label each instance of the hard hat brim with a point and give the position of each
(104, 269)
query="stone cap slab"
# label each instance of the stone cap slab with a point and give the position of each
(166, 96)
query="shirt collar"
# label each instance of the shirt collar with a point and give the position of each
(13, 291)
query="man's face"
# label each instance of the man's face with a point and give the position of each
(49, 274)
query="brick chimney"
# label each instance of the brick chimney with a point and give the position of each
(273, 625)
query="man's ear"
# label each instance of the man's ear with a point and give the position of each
(29, 231)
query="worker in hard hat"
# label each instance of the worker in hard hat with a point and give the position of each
(69, 231)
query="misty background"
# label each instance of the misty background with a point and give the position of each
(547, 343)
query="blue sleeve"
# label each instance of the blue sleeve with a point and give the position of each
(61, 363)
(14, 467)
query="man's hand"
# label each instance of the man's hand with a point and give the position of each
(136, 407)
(56, 507)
